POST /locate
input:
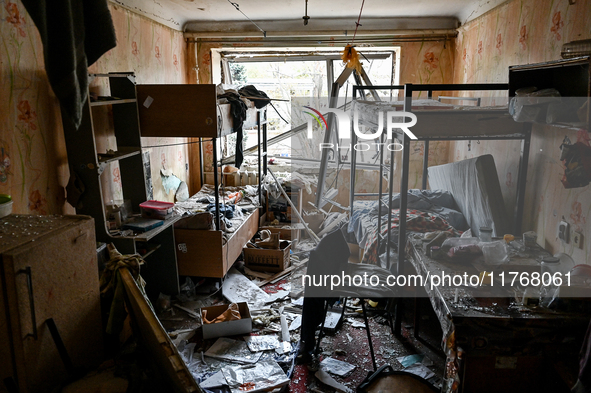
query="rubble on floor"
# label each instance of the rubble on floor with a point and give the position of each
(264, 359)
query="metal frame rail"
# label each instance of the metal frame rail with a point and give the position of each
(409, 88)
(262, 167)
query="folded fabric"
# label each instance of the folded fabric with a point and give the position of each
(226, 210)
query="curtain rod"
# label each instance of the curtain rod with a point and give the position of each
(321, 34)
(308, 41)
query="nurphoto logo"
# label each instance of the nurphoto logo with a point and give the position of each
(393, 119)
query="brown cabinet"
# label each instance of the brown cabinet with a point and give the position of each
(189, 111)
(48, 270)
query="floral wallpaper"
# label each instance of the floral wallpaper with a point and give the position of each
(29, 114)
(33, 162)
(423, 63)
(522, 32)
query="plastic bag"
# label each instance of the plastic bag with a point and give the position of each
(187, 290)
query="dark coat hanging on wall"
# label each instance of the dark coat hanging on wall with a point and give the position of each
(75, 34)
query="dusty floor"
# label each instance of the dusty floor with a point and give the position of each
(348, 343)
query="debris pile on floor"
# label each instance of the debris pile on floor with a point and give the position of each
(223, 356)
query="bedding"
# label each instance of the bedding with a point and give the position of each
(428, 210)
(466, 194)
(416, 221)
(240, 201)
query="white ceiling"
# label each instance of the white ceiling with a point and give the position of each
(268, 14)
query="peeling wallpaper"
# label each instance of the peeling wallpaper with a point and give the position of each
(33, 161)
(522, 32)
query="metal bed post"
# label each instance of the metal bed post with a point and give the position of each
(403, 204)
(216, 184)
(265, 154)
(380, 199)
(389, 222)
(259, 156)
(426, 155)
(425, 165)
(521, 178)
(353, 161)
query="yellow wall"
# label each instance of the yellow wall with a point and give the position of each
(33, 162)
(522, 32)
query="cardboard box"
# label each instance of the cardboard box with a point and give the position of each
(284, 233)
(232, 179)
(207, 253)
(263, 260)
(228, 328)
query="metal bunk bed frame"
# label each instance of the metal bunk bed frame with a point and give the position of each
(409, 88)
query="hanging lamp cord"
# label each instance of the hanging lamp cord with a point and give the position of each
(357, 24)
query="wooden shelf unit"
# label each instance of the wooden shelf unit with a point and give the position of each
(160, 269)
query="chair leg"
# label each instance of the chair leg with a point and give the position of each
(373, 357)
(344, 307)
(417, 317)
(398, 319)
(321, 334)
(390, 311)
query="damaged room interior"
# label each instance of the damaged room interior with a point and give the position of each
(303, 196)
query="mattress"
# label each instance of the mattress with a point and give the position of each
(437, 120)
(474, 183)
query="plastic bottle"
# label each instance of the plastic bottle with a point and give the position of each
(485, 234)
(548, 288)
(551, 265)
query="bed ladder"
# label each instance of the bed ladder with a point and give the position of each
(360, 79)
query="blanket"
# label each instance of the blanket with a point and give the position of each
(416, 221)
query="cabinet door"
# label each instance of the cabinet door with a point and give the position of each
(6, 358)
(59, 273)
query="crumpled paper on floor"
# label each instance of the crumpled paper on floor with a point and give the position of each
(337, 367)
(262, 343)
(233, 351)
(262, 376)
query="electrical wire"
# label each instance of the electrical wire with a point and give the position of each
(251, 21)
(357, 24)
(279, 114)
